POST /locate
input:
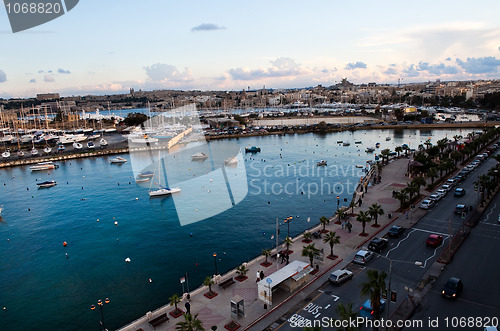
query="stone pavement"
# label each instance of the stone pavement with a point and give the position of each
(216, 311)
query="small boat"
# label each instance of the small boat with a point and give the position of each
(47, 150)
(388, 138)
(77, 145)
(358, 142)
(103, 142)
(377, 145)
(359, 166)
(118, 159)
(370, 150)
(141, 180)
(199, 156)
(1, 208)
(163, 191)
(252, 149)
(20, 154)
(6, 154)
(34, 151)
(60, 148)
(321, 163)
(377, 157)
(46, 184)
(346, 144)
(231, 160)
(146, 174)
(44, 166)
(90, 145)
(340, 142)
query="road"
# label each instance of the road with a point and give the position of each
(411, 259)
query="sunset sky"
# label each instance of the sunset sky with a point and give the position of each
(107, 47)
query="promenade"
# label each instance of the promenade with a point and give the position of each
(217, 311)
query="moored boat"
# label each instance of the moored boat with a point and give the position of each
(164, 191)
(20, 153)
(231, 160)
(387, 138)
(377, 145)
(358, 142)
(321, 163)
(370, 150)
(118, 159)
(47, 150)
(199, 156)
(77, 145)
(346, 143)
(60, 148)
(44, 166)
(252, 149)
(90, 145)
(146, 174)
(34, 151)
(46, 184)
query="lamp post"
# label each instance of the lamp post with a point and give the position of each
(215, 262)
(338, 203)
(100, 303)
(287, 221)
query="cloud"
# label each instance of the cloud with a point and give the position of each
(40, 71)
(3, 76)
(411, 71)
(33, 80)
(48, 78)
(161, 72)
(390, 71)
(355, 65)
(448, 59)
(437, 69)
(207, 27)
(62, 71)
(480, 65)
(281, 67)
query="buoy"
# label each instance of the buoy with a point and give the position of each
(66, 255)
(97, 220)
(136, 198)
(210, 180)
(116, 222)
(196, 210)
(65, 244)
(150, 280)
(127, 260)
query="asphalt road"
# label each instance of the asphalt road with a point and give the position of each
(411, 259)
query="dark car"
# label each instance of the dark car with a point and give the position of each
(460, 208)
(434, 240)
(396, 231)
(378, 244)
(459, 192)
(452, 288)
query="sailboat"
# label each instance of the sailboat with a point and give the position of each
(161, 191)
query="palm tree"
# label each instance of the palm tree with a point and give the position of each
(190, 323)
(241, 271)
(432, 174)
(209, 282)
(427, 144)
(402, 196)
(340, 214)
(353, 204)
(417, 182)
(288, 241)
(375, 211)
(267, 252)
(385, 155)
(364, 218)
(346, 313)
(398, 150)
(374, 287)
(310, 251)
(307, 236)
(174, 300)
(332, 239)
(324, 221)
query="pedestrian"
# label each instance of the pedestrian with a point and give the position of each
(188, 308)
(360, 202)
(262, 274)
(379, 178)
(258, 276)
(349, 227)
(287, 258)
(343, 224)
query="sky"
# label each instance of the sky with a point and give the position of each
(108, 47)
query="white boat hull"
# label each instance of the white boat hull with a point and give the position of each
(164, 191)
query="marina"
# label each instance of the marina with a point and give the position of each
(111, 218)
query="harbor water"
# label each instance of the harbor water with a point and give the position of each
(105, 217)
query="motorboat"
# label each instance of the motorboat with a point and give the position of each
(103, 142)
(377, 145)
(44, 166)
(47, 150)
(199, 156)
(118, 159)
(346, 143)
(60, 148)
(6, 154)
(387, 138)
(90, 145)
(142, 180)
(163, 191)
(20, 153)
(370, 150)
(359, 166)
(321, 163)
(252, 149)
(145, 174)
(231, 160)
(34, 151)
(1, 208)
(358, 142)
(47, 184)
(77, 145)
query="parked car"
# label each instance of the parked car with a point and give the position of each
(446, 187)
(435, 197)
(460, 208)
(397, 231)
(452, 182)
(441, 192)
(460, 178)
(452, 288)
(340, 276)
(459, 192)
(378, 244)
(426, 204)
(362, 257)
(366, 309)
(434, 240)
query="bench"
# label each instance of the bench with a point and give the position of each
(159, 320)
(227, 283)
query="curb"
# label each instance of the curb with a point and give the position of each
(290, 297)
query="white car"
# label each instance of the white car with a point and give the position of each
(362, 257)
(426, 204)
(452, 182)
(435, 197)
(446, 187)
(340, 276)
(441, 192)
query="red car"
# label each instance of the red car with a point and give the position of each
(434, 240)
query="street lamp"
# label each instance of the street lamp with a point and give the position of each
(287, 221)
(338, 203)
(215, 262)
(100, 303)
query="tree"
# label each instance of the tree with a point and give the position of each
(310, 251)
(242, 271)
(174, 300)
(373, 288)
(432, 174)
(288, 241)
(418, 182)
(353, 204)
(402, 196)
(324, 221)
(375, 210)
(267, 252)
(364, 218)
(134, 119)
(307, 235)
(332, 239)
(208, 282)
(340, 214)
(346, 313)
(190, 323)
(385, 155)
(398, 150)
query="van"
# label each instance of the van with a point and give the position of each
(362, 257)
